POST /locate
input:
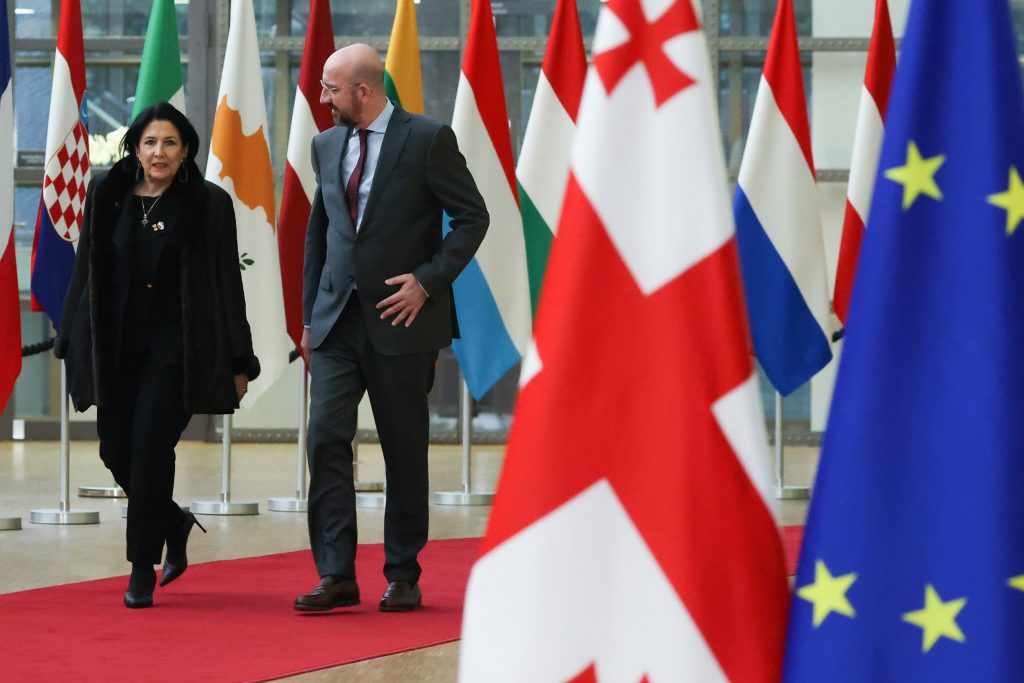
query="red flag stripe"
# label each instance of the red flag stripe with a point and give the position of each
(10, 320)
(319, 46)
(849, 248)
(482, 68)
(785, 76)
(71, 45)
(565, 61)
(881, 58)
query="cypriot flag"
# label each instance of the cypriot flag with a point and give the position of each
(240, 163)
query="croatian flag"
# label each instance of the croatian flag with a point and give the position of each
(778, 223)
(867, 145)
(10, 315)
(66, 174)
(633, 540)
(492, 294)
(309, 117)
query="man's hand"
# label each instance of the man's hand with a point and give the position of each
(304, 346)
(406, 302)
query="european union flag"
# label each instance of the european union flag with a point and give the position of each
(913, 559)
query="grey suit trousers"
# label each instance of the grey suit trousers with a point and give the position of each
(343, 367)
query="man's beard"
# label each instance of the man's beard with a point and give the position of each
(350, 120)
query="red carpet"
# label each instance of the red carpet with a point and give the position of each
(225, 621)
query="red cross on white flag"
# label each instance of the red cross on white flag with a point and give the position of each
(632, 534)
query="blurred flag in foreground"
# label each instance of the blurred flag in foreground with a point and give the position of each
(10, 308)
(632, 536)
(913, 562)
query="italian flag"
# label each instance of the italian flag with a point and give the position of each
(160, 71)
(543, 169)
(403, 78)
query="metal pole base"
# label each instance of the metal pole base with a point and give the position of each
(124, 512)
(216, 507)
(101, 492)
(370, 500)
(10, 523)
(369, 486)
(57, 516)
(288, 504)
(792, 492)
(461, 498)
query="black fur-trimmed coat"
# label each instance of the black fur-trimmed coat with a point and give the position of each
(217, 341)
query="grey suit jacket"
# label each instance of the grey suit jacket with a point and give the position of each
(420, 173)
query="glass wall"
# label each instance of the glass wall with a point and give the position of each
(833, 37)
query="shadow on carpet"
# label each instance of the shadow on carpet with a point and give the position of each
(229, 620)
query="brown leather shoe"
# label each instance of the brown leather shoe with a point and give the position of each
(401, 596)
(328, 595)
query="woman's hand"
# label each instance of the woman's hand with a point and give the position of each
(241, 386)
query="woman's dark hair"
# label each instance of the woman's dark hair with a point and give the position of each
(161, 111)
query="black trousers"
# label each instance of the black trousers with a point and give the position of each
(138, 431)
(343, 367)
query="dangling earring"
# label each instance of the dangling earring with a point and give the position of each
(138, 171)
(181, 178)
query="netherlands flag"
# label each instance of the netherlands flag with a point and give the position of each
(492, 295)
(778, 222)
(867, 146)
(66, 174)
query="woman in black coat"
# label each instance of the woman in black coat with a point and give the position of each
(154, 327)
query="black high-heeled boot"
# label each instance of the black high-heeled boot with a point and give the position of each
(176, 561)
(140, 586)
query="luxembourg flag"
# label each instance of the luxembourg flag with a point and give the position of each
(778, 223)
(492, 295)
(543, 169)
(309, 117)
(867, 145)
(10, 314)
(66, 173)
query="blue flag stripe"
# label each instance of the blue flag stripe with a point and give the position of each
(791, 347)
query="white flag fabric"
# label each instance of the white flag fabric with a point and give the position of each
(240, 163)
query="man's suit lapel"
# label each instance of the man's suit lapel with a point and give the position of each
(391, 149)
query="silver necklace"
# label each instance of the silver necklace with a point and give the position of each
(145, 211)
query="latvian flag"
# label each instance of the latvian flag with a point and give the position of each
(778, 222)
(632, 537)
(867, 145)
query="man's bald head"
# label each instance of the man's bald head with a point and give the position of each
(353, 85)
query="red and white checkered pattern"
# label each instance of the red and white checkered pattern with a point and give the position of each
(67, 175)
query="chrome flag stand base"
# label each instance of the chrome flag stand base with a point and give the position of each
(783, 492)
(64, 514)
(466, 496)
(369, 494)
(299, 503)
(371, 500)
(10, 523)
(225, 506)
(114, 491)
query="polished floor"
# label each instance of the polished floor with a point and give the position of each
(44, 555)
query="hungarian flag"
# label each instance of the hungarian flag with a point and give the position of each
(240, 163)
(66, 172)
(160, 72)
(778, 222)
(309, 117)
(10, 315)
(403, 78)
(544, 161)
(632, 537)
(867, 145)
(492, 294)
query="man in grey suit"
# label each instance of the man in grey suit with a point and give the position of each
(377, 305)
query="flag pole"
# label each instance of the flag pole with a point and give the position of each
(225, 506)
(300, 503)
(782, 491)
(64, 514)
(466, 495)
